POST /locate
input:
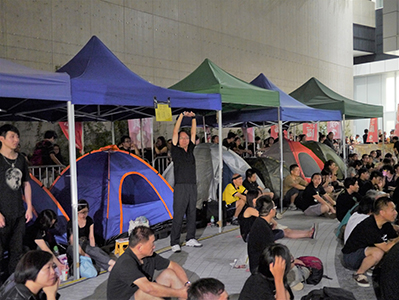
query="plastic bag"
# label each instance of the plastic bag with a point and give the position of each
(87, 268)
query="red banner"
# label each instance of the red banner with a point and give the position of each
(310, 130)
(373, 132)
(78, 133)
(397, 122)
(274, 131)
(135, 135)
(335, 127)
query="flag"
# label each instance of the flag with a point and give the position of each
(335, 127)
(373, 132)
(134, 132)
(310, 130)
(78, 133)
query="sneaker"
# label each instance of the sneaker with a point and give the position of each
(292, 207)
(235, 222)
(361, 280)
(315, 228)
(279, 216)
(193, 243)
(176, 248)
(370, 272)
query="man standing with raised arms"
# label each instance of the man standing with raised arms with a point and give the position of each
(185, 194)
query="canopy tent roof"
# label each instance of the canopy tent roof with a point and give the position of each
(315, 94)
(235, 93)
(29, 94)
(98, 77)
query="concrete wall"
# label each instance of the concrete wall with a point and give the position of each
(164, 40)
(391, 26)
(364, 12)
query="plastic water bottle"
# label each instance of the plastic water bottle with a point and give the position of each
(212, 221)
(55, 250)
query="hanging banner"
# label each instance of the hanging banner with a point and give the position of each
(373, 132)
(397, 122)
(134, 132)
(311, 132)
(250, 135)
(335, 127)
(274, 131)
(78, 133)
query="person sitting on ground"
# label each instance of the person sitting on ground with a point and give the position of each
(314, 200)
(38, 235)
(207, 289)
(363, 210)
(229, 141)
(215, 139)
(239, 149)
(366, 162)
(293, 186)
(133, 273)
(329, 141)
(35, 278)
(376, 182)
(270, 281)
(234, 196)
(127, 145)
(348, 198)
(354, 167)
(251, 185)
(326, 179)
(322, 138)
(370, 240)
(388, 280)
(363, 176)
(390, 182)
(87, 243)
(249, 214)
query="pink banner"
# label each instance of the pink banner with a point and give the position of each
(134, 132)
(310, 130)
(274, 131)
(335, 127)
(397, 122)
(78, 133)
(373, 132)
(250, 135)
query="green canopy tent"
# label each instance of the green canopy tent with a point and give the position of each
(236, 95)
(315, 94)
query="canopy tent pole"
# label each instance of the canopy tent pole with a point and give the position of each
(220, 170)
(204, 126)
(383, 136)
(113, 133)
(344, 143)
(82, 151)
(141, 138)
(280, 137)
(74, 188)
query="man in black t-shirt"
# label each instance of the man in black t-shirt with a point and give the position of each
(251, 185)
(14, 182)
(348, 198)
(133, 273)
(371, 239)
(185, 193)
(229, 141)
(395, 141)
(375, 183)
(314, 200)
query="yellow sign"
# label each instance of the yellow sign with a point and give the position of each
(163, 113)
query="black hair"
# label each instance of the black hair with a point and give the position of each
(349, 181)
(366, 205)
(257, 138)
(396, 166)
(268, 256)
(249, 173)
(361, 171)
(6, 128)
(82, 204)
(292, 167)
(30, 265)
(251, 195)
(388, 168)
(388, 155)
(356, 163)
(163, 142)
(123, 138)
(364, 155)
(264, 205)
(205, 287)
(45, 219)
(387, 161)
(315, 174)
(375, 174)
(231, 135)
(140, 234)
(213, 138)
(50, 134)
(326, 172)
(328, 163)
(366, 131)
(380, 203)
(321, 136)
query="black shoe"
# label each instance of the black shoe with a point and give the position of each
(235, 222)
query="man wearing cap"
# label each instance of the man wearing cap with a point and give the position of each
(234, 195)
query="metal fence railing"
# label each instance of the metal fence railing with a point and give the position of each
(160, 163)
(46, 174)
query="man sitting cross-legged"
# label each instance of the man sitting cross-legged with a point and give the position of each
(133, 272)
(293, 186)
(370, 240)
(234, 196)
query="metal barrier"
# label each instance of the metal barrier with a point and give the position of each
(46, 174)
(160, 163)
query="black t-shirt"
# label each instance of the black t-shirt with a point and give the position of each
(33, 233)
(11, 186)
(84, 232)
(396, 146)
(367, 234)
(344, 203)
(259, 287)
(228, 145)
(307, 198)
(245, 223)
(128, 269)
(260, 236)
(389, 278)
(47, 149)
(184, 164)
(250, 186)
(365, 187)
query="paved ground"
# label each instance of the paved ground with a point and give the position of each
(220, 250)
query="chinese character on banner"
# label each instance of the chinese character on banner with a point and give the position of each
(335, 127)
(310, 130)
(397, 122)
(373, 132)
(78, 133)
(134, 132)
(274, 131)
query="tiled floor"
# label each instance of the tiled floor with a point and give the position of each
(220, 250)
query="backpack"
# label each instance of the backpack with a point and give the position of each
(37, 156)
(316, 269)
(329, 293)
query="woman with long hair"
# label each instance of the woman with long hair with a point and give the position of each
(35, 278)
(270, 282)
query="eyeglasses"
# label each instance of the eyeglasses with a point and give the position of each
(84, 212)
